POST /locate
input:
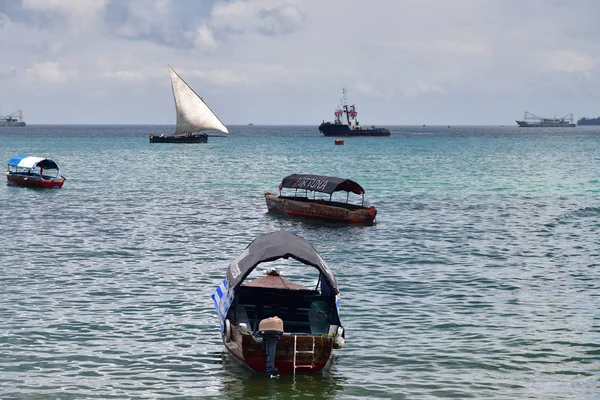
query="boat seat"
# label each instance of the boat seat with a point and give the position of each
(305, 314)
(318, 319)
(242, 316)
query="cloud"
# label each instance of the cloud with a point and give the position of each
(374, 90)
(569, 61)
(246, 75)
(267, 17)
(428, 56)
(205, 39)
(128, 76)
(421, 87)
(49, 72)
(441, 47)
(199, 24)
(80, 14)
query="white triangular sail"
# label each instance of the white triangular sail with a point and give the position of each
(192, 112)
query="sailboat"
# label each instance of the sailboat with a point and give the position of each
(193, 115)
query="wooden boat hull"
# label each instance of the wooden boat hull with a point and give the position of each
(189, 138)
(308, 359)
(34, 181)
(320, 209)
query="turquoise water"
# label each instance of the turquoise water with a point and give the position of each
(480, 278)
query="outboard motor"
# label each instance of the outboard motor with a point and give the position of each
(270, 331)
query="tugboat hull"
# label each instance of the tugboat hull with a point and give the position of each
(329, 129)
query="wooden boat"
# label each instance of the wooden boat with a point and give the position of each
(272, 324)
(304, 206)
(33, 171)
(193, 115)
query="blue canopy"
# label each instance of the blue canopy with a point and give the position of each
(32, 162)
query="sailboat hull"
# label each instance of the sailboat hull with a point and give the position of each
(189, 138)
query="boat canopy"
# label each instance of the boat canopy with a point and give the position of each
(273, 246)
(317, 183)
(32, 162)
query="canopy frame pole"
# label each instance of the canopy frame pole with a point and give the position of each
(363, 200)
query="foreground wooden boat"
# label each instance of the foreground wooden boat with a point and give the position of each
(33, 171)
(272, 324)
(193, 115)
(323, 209)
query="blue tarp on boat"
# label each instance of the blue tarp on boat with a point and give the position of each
(31, 162)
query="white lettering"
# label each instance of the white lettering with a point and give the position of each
(311, 184)
(235, 269)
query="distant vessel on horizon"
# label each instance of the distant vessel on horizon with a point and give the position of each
(346, 124)
(533, 121)
(13, 119)
(588, 121)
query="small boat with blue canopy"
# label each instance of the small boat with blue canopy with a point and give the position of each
(273, 324)
(34, 171)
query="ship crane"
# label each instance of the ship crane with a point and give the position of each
(529, 117)
(13, 119)
(534, 121)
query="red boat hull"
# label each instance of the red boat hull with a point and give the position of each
(35, 181)
(249, 352)
(320, 209)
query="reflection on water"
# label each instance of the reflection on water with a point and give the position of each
(241, 382)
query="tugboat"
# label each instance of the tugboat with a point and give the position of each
(346, 124)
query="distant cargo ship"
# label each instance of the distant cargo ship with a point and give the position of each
(589, 121)
(346, 124)
(13, 119)
(533, 121)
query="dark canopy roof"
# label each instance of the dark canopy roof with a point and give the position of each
(317, 183)
(273, 246)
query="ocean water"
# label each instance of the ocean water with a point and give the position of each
(480, 278)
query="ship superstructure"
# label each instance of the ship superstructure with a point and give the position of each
(12, 119)
(533, 121)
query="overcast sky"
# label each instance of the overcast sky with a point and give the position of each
(403, 62)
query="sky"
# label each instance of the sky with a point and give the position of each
(402, 62)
